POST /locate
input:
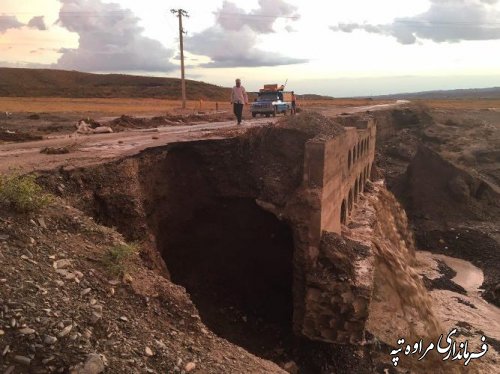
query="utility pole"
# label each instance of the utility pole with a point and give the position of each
(179, 13)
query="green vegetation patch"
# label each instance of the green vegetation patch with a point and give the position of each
(22, 193)
(117, 259)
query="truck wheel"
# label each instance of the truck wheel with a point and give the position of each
(268, 115)
(274, 112)
(254, 114)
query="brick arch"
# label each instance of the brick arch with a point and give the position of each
(350, 201)
(343, 212)
(356, 190)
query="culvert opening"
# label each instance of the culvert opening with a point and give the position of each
(235, 260)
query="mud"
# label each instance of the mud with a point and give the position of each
(217, 217)
(444, 282)
(471, 245)
(35, 126)
(450, 194)
(15, 136)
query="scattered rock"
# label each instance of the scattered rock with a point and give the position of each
(65, 331)
(23, 360)
(55, 150)
(45, 361)
(41, 222)
(148, 352)
(190, 366)
(50, 340)
(61, 264)
(95, 317)
(94, 364)
(103, 130)
(291, 367)
(27, 331)
(127, 278)
(160, 344)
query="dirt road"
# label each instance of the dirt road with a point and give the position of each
(87, 150)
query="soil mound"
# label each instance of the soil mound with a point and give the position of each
(13, 136)
(434, 188)
(315, 124)
(129, 122)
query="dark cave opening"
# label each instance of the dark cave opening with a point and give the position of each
(236, 261)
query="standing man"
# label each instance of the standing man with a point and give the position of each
(239, 98)
(294, 103)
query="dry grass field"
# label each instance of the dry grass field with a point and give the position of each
(109, 106)
(138, 106)
(462, 104)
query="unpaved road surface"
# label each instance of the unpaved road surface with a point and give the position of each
(92, 149)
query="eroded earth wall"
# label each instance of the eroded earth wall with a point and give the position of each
(309, 176)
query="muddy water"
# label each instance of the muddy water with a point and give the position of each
(455, 308)
(395, 255)
(401, 306)
(468, 276)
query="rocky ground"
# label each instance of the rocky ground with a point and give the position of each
(443, 166)
(67, 306)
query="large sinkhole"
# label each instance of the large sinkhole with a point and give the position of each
(235, 260)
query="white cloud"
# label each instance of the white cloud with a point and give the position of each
(111, 39)
(233, 40)
(9, 22)
(444, 21)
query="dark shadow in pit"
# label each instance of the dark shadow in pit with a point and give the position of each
(235, 260)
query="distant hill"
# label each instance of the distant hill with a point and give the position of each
(314, 97)
(472, 93)
(15, 82)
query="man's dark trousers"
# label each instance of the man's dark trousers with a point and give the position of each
(238, 111)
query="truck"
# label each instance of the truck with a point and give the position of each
(272, 100)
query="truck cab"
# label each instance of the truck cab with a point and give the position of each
(271, 100)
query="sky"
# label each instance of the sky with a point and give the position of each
(338, 48)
